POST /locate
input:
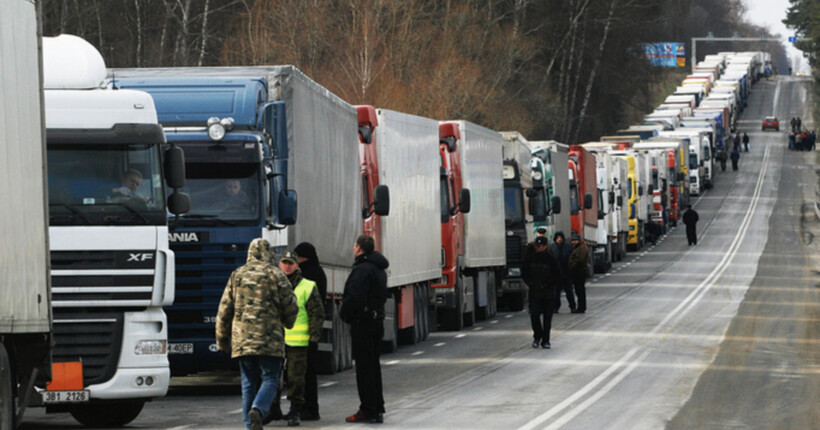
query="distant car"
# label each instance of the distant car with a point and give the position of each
(771, 122)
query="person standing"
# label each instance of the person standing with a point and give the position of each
(578, 270)
(363, 308)
(561, 251)
(306, 329)
(735, 158)
(745, 142)
(541, 272)
(257, 305)
(690, 219)
(309, 265)
(791, 140)
(722, 157)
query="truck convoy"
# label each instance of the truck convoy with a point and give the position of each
(111, 268)
(25, 308)
(255, 138)
(90, 336)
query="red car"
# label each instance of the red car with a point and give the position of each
(771, 122)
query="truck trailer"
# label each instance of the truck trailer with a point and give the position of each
(25, 308)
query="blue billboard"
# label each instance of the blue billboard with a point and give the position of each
(666, 54)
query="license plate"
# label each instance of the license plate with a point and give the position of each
(65, 396)
(181, 348)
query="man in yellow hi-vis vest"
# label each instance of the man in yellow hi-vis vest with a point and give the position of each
(306, 329)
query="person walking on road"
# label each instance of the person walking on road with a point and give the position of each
(541, 273)
(735, 159)
(309, 265)
(257, 305)
(363, 308)
(690, 219)
(745, 142)
(306, 330)
(578, 270)
(561, 250)
(722, 157)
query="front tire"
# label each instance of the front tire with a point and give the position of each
(114, 414)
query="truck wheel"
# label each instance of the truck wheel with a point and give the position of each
(426, 314)
(6, 391)
(492, 300)
(328, 361)
(451, 319)
(343, 345)
(114, 414)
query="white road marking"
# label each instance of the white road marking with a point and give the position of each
(392, 362)
(459, 336)
(417, 353)
(440, 344)
(328, 384)
(238, 411)
(495, 321)
(478, 328)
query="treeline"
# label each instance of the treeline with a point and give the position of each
(570, 70)
(804, 17)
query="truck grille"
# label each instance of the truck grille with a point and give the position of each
(202, 270)
(82, 279)
(515, 250)
(93, 337)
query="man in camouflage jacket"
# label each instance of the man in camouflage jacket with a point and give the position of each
(256, 307)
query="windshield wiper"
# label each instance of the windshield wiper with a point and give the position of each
(71, 209)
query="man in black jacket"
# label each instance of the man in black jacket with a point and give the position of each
(541, 272)
(363, 308)
(690, 218)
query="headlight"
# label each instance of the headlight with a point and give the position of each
(514, 272)
(147, 347)
(536, 176)
(216, 130)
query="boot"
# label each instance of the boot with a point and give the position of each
(294, 416)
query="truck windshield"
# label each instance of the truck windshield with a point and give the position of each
(222, 193)
(446, 204)
(513, 204)
(693, 160)
(96, 184)
(574, 208)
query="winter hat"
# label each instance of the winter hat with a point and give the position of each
(306, 250)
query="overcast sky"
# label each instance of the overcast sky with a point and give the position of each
(770, 13)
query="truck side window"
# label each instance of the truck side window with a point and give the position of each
(365, 191)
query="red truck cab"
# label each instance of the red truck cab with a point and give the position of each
(369, 170)
(674, 187)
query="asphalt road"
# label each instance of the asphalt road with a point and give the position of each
(725, 334)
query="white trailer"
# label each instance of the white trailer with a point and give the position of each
(25, 308)
(557, 156)
(408, 161)
(481, 166)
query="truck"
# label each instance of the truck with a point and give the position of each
(635, 234)
(518, 216)
(583, 190)
(400, 164)
(111, 267)
(25, 311)
(475, 256)
(554, 156)
(283, 140)
(614, 217)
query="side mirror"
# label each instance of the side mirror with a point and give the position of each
(640, 190)
(587, 201)
(611, 197)
(620, 200)
(601, 214)
(464, 201)
(175, 167)
(365, 134)
(650, 189)
(179, 203)
(556, 205)
(538, 207)
(681, 177)
(381, 200)
(287, 204)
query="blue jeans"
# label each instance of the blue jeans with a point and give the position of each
(263, 372)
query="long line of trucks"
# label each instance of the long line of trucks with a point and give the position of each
(125, 287)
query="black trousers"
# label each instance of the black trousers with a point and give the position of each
(541, 318)
(566, 286)
(691, 235)
(366, 337)
(311, 386)
(734, 164)
(580, 284)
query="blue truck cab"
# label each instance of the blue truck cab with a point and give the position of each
(236, 152)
